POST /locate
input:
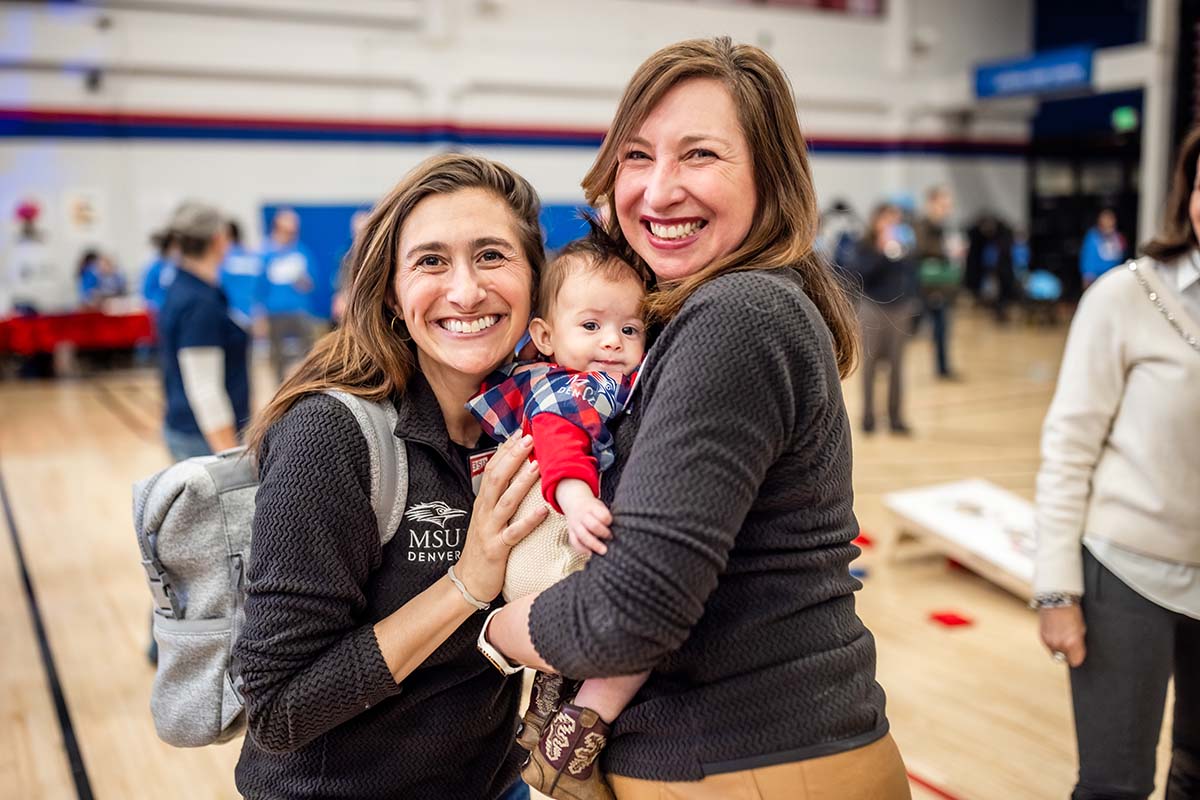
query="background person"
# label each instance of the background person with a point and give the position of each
(240, 273)
(99, 279)
(1103, 247)
(886, 311)
(160, 273)
(763, 674)
(27, 280)
(342, 276)
(283, 294)
(939, 276)
(361, 678)
(202, 350)
(1117, 577)
(990, 275)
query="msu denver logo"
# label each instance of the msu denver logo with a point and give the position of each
(437, 542)
(436, 512)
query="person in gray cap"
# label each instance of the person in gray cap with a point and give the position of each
(203, 351)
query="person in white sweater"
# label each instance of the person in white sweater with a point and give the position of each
(1117, 578)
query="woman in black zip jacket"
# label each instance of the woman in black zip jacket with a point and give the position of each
(361, 677)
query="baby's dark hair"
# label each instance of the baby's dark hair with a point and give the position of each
(595, 252)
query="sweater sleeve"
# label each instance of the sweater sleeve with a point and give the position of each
(308, 658)
(718, 411)
(563, 450)
(1091, 382)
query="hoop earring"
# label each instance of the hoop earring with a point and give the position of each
(400, 336)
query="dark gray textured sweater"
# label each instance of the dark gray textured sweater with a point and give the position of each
(326, 718)
(728, 573)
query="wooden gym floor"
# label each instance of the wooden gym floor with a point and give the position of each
(980, 712)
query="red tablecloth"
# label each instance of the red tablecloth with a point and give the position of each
(87, 330)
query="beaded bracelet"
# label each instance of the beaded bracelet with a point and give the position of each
(1054, 600)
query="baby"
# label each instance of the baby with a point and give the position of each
(589, 324)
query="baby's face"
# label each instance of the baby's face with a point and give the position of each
(596, 324)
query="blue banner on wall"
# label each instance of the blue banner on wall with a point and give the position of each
(1046, 72)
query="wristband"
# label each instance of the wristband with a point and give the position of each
(470, 598)
(489, 651)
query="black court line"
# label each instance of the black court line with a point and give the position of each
(83, 787)
(121, 412)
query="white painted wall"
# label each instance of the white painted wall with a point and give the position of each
(528, 63)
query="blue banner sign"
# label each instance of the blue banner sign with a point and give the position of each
(1050, 71)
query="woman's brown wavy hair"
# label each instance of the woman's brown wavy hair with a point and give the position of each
(1177, 235)
(366, 356)
(786, 218)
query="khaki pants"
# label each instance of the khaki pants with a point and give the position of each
(873, 772)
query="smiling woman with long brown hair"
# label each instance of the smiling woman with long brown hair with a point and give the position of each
(732, 517)
(358, 663)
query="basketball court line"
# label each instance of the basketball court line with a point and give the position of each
(130, 420)
(932, 788)
(83, 787)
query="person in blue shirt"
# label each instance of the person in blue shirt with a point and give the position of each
(283, 294)
(1103, 248)
(240, 273)
(343, 276)
(203, 351)
(99, 279)
(160, 273)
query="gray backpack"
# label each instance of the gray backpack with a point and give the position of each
(193, 527)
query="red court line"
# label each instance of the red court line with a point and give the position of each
(932, 788)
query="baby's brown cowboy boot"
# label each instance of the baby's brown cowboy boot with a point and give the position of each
(548, 693)
(563, 765)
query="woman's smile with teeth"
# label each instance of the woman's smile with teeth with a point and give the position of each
(676, 231)
(469, 326)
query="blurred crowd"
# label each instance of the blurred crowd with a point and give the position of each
(907, 266)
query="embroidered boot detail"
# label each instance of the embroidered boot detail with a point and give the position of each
(563, 765)
(548, 692)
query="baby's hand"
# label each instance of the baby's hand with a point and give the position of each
(587, 517)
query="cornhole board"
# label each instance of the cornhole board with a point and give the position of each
(985, 528)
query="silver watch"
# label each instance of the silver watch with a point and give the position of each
(490, 652)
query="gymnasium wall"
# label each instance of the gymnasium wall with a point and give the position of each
(131, 105)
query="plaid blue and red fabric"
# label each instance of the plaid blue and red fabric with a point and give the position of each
(514, 394)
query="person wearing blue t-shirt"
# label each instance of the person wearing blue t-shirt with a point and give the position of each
(283, 292)
(240, 273)
(99, 279)
(160, 273)
(1103, 248)
(343, 276)
(203, 351)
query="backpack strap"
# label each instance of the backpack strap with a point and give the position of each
(389, 459)
(165, 598)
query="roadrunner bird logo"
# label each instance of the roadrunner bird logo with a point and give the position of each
(436, 512)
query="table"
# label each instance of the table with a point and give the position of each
(84, 330)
